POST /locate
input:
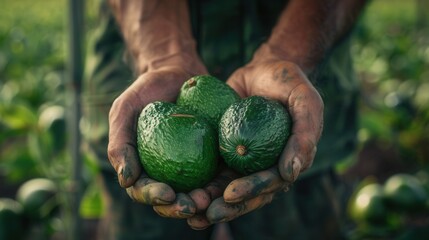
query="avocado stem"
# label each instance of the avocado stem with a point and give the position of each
(241, 150)
(191, 82)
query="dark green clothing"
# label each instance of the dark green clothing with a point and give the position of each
(227, 34)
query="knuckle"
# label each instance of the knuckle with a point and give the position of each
(115, 106)
(113, 153)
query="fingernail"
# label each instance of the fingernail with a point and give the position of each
(120, 176)
(293, 169)
(161, 201)
(296, 168)
(123, 175)
(232, 196)
(201, 228)
(186, 214)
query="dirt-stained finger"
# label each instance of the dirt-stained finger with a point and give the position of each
(149, 191)
(217, 186)
(297, 156)
(249, 187)
(201, 199)
(182, 207)
(121, 150)
(124, 160)
(198, 222)
(306, 109)
(221, 211)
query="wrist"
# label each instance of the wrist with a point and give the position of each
(307, 58)
(303, 34)
(174, 52)
(158, 34)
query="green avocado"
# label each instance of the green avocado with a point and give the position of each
(369, 205)
(207, 96)
(39, 198)
(176, 146)
(11, 219)
(404, 192)
(253, 133)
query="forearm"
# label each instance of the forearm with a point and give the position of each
(308, 29)
(157, 33)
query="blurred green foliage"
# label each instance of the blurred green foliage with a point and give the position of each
(33, 104)
(32, 69)
(391, 54)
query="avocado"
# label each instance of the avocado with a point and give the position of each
(176, 146)
(253, 133)
(404, 192)
(207, 96)
(11, 219)
(369, 205)
(39, 198)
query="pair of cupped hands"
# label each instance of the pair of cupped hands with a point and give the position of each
(229, 195)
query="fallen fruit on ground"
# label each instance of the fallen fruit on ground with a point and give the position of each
(404, 192)
(368, 205)
(38, 197)
(11, 221)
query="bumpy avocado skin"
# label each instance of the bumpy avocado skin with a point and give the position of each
(176, 147)
(207, 96)
(259, 124)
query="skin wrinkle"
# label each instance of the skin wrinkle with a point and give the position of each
(147, 11)
(145, 23)
(311, 129)
(146, 193)
(232, 211)
(119, 109)
(293, 108)
(156, 63)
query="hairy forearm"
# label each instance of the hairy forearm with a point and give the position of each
(308, 29)
(156, 32)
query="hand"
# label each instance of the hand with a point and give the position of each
(161, 84)
(286, 82)
(203, 197)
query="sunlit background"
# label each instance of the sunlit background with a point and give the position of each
(391, 53)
